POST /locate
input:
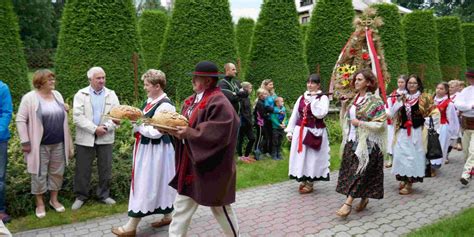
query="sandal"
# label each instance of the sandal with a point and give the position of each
(401, 185)
(160, 223)
(342, 214)
(306, 189)
(119, 231)
(406, 190)
(302, 185)
(362, 205)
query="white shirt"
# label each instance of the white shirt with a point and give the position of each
(196, 100)
(352, 116)
(465, 101)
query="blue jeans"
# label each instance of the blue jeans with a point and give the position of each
(3, 171)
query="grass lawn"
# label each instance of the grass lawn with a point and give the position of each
(263, 172)
(458, 225)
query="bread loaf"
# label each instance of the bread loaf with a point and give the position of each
(171, 119)
(126, 112)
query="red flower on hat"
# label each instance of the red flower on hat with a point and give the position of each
(365, 56)
(346, 75)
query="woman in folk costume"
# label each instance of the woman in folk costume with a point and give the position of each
(446, 123)
(364, 139)
(409, 154)
(401, 83)
(153, 162)
(309, 155)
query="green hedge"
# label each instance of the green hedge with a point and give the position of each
(20, 201)
(152, 27)
(243, 39)
(277, 49)
(422, 46)
(329, 29)
(393, 41)
(468, 33)
(198, 30)
(99, 33)
(13, 68)
(452, 54)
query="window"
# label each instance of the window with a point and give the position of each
(306, 2)
(304, 19)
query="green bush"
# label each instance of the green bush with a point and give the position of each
(277, 49)
(20, 201)
(152, 27)
(329, 29)
(99, 33)
(422, 46)
(452, 54)
(468, 33)
(13, 69)
(243, 39)
(393, 40)
(198, 30)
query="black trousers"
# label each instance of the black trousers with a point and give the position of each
(245, 132)
(82, 173)
(277, 137)
(267, 136)
(259, 138)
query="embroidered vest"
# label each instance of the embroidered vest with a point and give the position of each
(165, 138)
(416, 116)
(311, 120)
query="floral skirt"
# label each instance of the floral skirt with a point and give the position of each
(368, 184)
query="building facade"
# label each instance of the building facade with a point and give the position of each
(305, 7)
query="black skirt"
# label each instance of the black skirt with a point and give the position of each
(368, 184)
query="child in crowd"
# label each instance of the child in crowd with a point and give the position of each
(278, 126)
(246, 129)
(260, 113)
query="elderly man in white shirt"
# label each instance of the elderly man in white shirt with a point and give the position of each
(94, 137)
(465, 104)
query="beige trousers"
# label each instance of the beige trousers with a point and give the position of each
(468, 149)
(184, 208)
(52, 164)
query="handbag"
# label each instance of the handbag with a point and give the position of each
(313, 141)
(434, 147)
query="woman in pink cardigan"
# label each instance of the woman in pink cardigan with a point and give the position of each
(46, 142)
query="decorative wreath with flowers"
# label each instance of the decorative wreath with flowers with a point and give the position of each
(362, 50)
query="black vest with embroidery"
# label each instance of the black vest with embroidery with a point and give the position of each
(165, 138)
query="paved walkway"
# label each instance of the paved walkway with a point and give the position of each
(278, 210)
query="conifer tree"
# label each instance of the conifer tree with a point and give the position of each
(12, 63)
(243, 36)
(422, 46)
(393, 41)
(452, 54)
(152, 26)
(99, 33)
(277, 50)
(329, 29)
(198, 30)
